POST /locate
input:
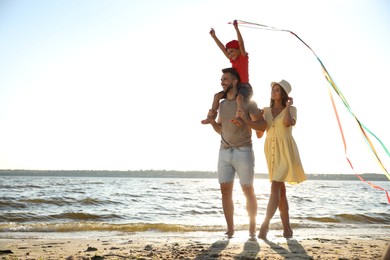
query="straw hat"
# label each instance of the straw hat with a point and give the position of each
(284, 84)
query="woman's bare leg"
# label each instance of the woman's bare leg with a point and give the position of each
(284, 215)
(273, 205)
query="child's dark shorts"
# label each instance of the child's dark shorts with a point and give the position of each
(245, 89)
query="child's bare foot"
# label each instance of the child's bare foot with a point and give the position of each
(259, 134)
(211, 116)
(208, 120)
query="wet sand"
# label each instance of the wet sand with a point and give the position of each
(195, 245)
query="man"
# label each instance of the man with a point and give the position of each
(236, 153)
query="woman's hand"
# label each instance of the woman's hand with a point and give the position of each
(289, 102)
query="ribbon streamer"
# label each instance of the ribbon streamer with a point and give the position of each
(362, 127)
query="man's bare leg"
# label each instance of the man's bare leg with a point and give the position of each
(251, 207)
(228, 206)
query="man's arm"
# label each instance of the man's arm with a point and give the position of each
(255, 121)
(217, 126)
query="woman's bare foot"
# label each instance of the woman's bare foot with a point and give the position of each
(263, 232)
(229, 234)
(288, 233)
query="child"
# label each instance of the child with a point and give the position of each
(235, 52)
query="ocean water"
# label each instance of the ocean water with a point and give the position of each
(71, 204)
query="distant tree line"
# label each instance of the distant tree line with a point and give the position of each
(172, 174)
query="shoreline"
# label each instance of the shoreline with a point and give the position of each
(340, 244)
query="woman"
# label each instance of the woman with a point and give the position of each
(282, 156)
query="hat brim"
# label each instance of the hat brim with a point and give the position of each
(283, 87)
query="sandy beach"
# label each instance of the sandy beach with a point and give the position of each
(196, 245)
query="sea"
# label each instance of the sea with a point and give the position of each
(63, 204)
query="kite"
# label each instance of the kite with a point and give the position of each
(364, 130)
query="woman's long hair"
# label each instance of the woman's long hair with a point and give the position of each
(284, 98)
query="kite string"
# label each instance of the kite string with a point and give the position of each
(345, 150)
(337, 90)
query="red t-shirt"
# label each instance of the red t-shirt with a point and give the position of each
(241, 66)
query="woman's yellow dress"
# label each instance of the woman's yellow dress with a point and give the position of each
(281, 151)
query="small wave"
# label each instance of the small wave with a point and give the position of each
(361, 218)
(91, 201)
(19, 187)
(99, 226)
(353, 218)
(11, 204)
(21, 217)
(201, 212)
(92, 182)
(324, 219)
(57, 202)
(53, 201)
(84, 216)
(78, 216)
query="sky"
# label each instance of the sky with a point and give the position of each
(124, 84)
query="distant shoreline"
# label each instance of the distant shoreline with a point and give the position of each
(173, 174)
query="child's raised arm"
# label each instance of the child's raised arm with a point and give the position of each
(218, 42)
(239, 38)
